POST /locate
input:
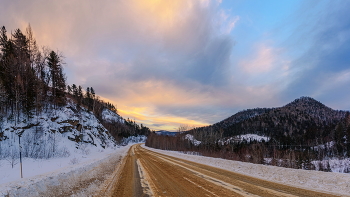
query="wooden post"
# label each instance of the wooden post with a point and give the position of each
(20, 154)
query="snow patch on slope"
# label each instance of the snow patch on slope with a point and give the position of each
(252, 137)
(111, 116)
(246, 137)
(192, 139)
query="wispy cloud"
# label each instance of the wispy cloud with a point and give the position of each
(262, 61)
(166, 63)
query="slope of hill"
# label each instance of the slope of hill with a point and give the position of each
(41, 117)
(302, 134)
(303, 118)
(76, 125)
(56, 139)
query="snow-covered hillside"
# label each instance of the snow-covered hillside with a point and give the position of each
(51, 128)
(54, 139)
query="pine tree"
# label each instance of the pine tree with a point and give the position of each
(80, 94)
(75, 91)
(69, 89)
(58, 80)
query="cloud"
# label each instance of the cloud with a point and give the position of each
(321, 70)
(167, 63)
(261, 62)
(154, 59)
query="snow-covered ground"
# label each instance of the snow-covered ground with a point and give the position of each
(41, 176)
(56, 145)
(330, 182)
(192, 139)
(86, 153)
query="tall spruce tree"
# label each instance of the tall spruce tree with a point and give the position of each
(58, 80)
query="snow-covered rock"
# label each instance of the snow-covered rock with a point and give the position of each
(111, 116)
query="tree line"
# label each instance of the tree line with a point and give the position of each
(307, 146)
(32, 80)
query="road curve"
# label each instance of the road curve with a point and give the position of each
(147, 173)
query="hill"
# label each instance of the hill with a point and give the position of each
(303, 119)
(302, 134)
(43, 117)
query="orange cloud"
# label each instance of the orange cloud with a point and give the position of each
(148, 116)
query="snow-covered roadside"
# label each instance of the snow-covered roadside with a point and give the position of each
(86, 153)
(45, 182)
(330, 182)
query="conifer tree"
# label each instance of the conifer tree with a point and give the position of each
(58, 81)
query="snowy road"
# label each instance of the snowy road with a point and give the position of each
(147, 173)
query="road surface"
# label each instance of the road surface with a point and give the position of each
(146, 173)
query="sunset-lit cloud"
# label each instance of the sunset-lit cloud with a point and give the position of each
(194, 62)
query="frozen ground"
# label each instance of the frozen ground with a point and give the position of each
(330, 182)
(60, 175)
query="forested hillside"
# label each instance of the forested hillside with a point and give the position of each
(301, 134)
(37, 105)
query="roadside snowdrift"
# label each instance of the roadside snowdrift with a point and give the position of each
(60, 148)
(313, 180)
(82, 179)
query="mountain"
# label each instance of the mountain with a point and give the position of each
(304, 118)
(302, 134)
(163, 132)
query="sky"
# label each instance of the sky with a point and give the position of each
(167, 64)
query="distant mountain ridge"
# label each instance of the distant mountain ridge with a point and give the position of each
(163, 132)
(295, 118)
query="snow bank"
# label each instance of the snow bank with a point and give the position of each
(69, 179)
(313, 180)
(84, 153)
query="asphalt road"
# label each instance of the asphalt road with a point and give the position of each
(146, 173)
